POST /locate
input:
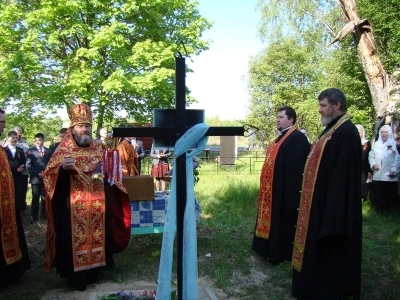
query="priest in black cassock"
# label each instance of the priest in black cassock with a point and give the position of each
(280, 183)
(327, 250)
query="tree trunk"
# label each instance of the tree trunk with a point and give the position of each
(100, 118)
(378, 79)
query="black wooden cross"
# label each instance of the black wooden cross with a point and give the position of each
(174, 133)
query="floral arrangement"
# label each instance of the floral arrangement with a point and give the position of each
(196, 165)
(144, 295)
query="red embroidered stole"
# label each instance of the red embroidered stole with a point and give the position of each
(88, 208)
(87, 202)
(307, 192)
(266, 184)
(9, 233)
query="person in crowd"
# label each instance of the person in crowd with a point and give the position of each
(366, 172)
(87, 218)
(14, 255)
(280, 183)
(17, 162)
(36, 161)
(140, 152)
(129, 158)
(304, 131)
(327, 247)
(251, 139)
(23, 144)
(103, 132)
(160, 167)
(397, 139)
(55, 145)
(384, 162)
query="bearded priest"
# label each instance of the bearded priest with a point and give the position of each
(88, 219)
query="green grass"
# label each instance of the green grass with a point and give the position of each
(381, 255)
(229, 204)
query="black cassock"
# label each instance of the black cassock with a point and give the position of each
(331, 266)
(288, 170)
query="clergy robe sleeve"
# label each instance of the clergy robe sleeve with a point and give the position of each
(124, 159)
(371, 158)
(344, 186)
(119, 212)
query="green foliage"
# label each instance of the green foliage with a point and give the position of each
(282, 76)
(115, 55)
(345, 72)
(384, 16)
(216, 121)
(312, 24)
(312, 21)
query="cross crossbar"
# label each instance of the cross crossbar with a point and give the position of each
(171, 131)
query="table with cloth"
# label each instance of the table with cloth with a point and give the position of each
(149, 216)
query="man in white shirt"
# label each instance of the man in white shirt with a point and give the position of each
(36, 161)
(23, 144)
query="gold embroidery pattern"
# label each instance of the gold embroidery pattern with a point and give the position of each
(83, 194)
(266, 184)
(8, 231)
(79, 114)
(88, 219)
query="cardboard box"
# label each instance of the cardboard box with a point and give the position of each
(139, 187)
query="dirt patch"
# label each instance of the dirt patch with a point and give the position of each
(108, 287)
(257, 277)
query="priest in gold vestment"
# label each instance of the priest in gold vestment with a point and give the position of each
(88, 219)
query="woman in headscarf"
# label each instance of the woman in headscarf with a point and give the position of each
(366, 172)
(384, 161)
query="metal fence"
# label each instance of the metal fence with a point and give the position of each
(248, 162)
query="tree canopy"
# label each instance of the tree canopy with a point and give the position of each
(112, 54)
(282, 76)
(312, 24)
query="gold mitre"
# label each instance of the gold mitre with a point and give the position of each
(80, 114)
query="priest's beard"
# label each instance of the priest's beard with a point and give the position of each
(326, 120)
(83, 140)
